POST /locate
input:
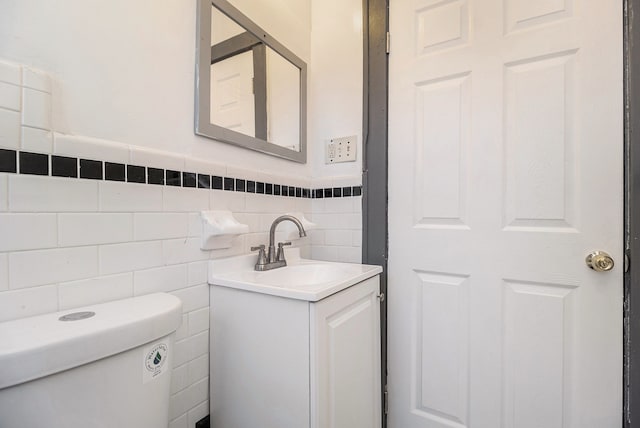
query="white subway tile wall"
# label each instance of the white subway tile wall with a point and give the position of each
(36, 79)
(9, 128)
(30, 193)
(4, 272)
(150, 226)
(156, 158)
(70, 242)
(4, 199)
(339, 221)
(130, 256)
(10, 97)
(129, 197)
(94, 228)
(27, 302)
(96, 290)
(36, 108)
(11, 73)
(36, 140)
(28, 231)
(42, 267)
(90, 148)
(10, 105)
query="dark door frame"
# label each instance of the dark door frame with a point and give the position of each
(374, 163)
(375, 172)
(632, 212)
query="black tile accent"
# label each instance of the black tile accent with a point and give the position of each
(114, 171)
(34, 163)
(216, 182)
(155, 176)
(136, 174)
(8, 161)
(63, 166)
(228, 183)
(90, 169)
(172, 178)
(189, 179)
(204, 181)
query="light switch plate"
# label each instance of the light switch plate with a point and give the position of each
(342, 149)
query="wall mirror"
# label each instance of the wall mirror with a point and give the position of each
(251, 90)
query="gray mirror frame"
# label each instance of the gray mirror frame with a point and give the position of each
(203, 125)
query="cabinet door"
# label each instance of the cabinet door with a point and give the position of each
(345, 358)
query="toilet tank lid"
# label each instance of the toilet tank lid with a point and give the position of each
(31, 348)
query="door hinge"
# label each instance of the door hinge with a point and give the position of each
(386, 400)
(388, 42)
(626, 263)
(381, 297)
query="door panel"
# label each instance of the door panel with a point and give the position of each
(233, 105)
(505, 171)
(345, 349)
(442, 325)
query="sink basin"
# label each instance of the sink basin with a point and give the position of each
(301, 279)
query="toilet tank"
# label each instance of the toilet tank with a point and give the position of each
(101, 366)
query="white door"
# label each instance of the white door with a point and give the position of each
(233, 102)
(505, 171)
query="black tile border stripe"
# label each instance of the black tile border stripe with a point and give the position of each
(90, 169)
(8, 161)
(34, 163)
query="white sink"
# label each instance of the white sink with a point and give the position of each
(301, 279)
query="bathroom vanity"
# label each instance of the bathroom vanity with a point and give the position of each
(296, 347)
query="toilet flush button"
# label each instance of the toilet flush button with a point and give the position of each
(76, 316)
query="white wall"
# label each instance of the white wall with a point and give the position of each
(126, 69)
(71, 242)
(116, 83)
(335, 84)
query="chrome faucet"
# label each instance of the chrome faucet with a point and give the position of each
(273, 260)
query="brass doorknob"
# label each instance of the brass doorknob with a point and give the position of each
(599, 261)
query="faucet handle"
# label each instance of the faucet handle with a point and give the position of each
(280, 253)
(262, 259)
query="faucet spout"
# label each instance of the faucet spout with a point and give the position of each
(272, 233)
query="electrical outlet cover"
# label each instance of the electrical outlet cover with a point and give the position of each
(342, 149)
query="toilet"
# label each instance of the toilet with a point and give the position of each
(101, 366)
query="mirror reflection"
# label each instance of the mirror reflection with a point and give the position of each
(255, 90)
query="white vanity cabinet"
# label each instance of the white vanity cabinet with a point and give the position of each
(280, 362)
